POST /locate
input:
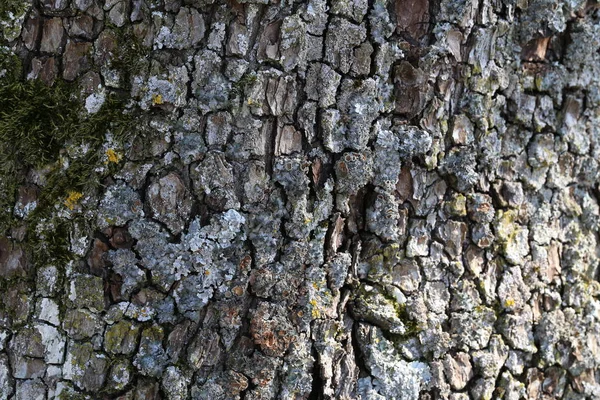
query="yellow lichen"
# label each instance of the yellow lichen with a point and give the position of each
(157, 100)
(315, 310)
(73, 199)
(509, 303)
(253, 102)
(110, 221)
(113, 156)
(506, 227)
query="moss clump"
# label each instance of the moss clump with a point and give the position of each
(37, 124)
(245, 82)
(12, 13)
(130, 55)
(10, 65)
(36, 121)
(8, 7)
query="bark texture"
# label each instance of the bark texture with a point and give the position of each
(315, 199)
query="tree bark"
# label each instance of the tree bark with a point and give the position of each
(253, 199)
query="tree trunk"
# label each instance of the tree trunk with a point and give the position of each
(386, 199)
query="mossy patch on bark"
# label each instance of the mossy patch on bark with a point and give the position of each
(38, 123)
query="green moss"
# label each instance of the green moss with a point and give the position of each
(130, 56)
(37, 123)
(10, 65)
(244, 83)
(11, 14)
(8, 7)
(51, 246)
(10, 71)
(247, 80)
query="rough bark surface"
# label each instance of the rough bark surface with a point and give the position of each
(316, 199)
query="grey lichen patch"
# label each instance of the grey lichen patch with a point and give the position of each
(473, 329)
(166, 261)
(119, 376)
(124, 263)
(341, 39)
(164, 91)
(322, 84)
(119, 205)
(211, 87)
(293, 46)
(184, 32)
(353, 171)
(349, 125)
(151, 358)
(459, 165)
(175, 383)
(390, 375)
